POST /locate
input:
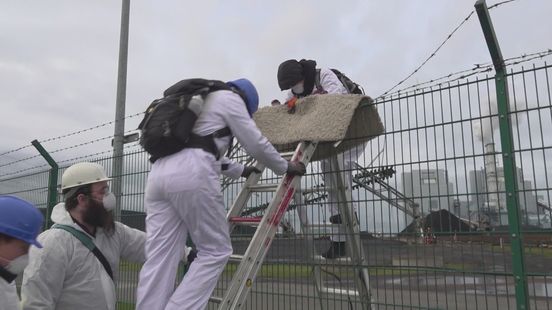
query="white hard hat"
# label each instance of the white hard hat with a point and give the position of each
(82, 174)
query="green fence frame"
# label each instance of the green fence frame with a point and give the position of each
(507, 142)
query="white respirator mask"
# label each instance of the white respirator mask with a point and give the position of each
(298, 88)
(109, 201)
(17, 265)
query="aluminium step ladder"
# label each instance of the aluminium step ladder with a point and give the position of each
(250, 263)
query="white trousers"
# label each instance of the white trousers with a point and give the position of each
(183, 196)
(330, 173)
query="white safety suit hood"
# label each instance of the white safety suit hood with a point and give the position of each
(64, 274)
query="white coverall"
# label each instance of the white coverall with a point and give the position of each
(65, 275)
(8, 295)
(183, 196)
(332, 85)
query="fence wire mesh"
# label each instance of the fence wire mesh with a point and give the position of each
(429, 194)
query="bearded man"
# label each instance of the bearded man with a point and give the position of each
(77, 267)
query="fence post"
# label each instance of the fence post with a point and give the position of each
(506, 139)
(52, 181)
(119, 131)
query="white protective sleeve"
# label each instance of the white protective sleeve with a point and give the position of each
(330, 83)
(132, 243)
(249, 136)
(230, 168)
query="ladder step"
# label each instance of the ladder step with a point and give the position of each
(245, 220)
(313, 190)
(287, 155)
(267, 187)
(215, 299)
(235, 258)
(336, 261)
(338, 291)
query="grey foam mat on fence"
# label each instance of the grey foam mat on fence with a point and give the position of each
(352, 119)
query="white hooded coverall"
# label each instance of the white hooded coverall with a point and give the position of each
(184, 196)
(332, 85)
(8, 295)
(65, 275)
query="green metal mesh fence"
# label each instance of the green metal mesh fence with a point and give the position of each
(440, 158)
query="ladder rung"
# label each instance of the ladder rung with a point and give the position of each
(313, 190)
(267, 187)
(215, 299)
(245, 220)
(335, 261)
(338, 291)
(287, 155)
(235, 258)
(322, 224)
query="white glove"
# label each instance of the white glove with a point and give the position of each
(189, 255)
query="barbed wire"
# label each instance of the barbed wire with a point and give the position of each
(430, 56)
(463, 74)
(24, 170)
(64, 161)
(15, 150)
(448, 78)
(71, 134)
(462, 23)
(126, 147)
(89, 129)
(81, 144)
(55, 151)
(527, 57)
(499, 4)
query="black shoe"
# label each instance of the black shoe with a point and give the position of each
(335, 219)
(336, 250)
(191, 256)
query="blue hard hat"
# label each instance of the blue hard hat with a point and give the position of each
(250, 93)
(20, 219)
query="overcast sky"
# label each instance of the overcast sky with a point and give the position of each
(58, 59)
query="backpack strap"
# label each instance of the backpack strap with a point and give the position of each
(89, 244)
(317, 81)
(207, 143)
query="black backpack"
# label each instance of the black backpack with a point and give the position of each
(168, 121)
(352, 87)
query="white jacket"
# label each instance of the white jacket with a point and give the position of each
(329, 82)
(65, 275)
(226, 109)
(8, 296)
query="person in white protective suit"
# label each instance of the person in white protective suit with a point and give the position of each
(20, 224)
(300, 77)
(183, 197)
(65, 274)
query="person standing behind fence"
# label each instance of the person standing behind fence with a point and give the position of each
(302, 79)
(183, 196)
(20, 224)
(78, 265)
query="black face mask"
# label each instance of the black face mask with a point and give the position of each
(95, 214)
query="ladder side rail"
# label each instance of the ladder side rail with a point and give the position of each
(244, 276)
(354, 243)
